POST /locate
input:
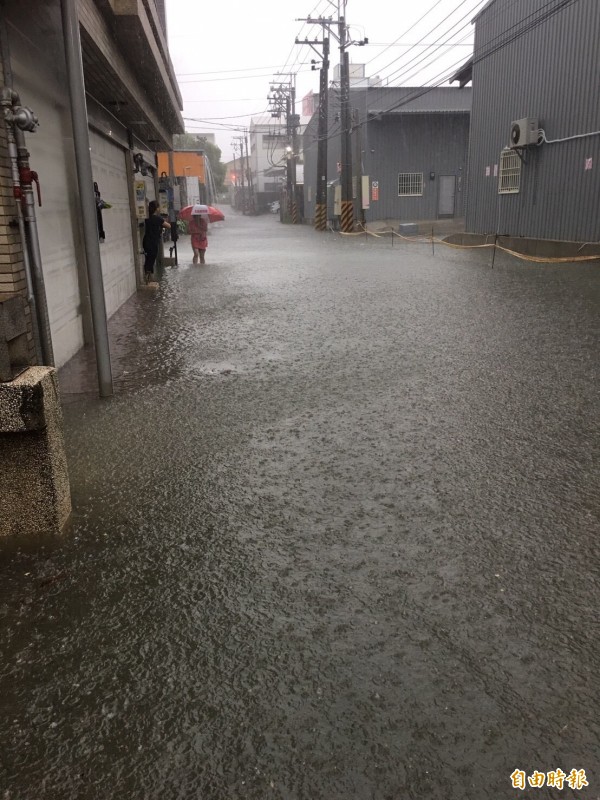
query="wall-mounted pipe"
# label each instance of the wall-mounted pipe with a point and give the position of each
(85, 181)
(15, 115)
(7, 103)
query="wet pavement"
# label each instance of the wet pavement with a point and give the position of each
(336, 535)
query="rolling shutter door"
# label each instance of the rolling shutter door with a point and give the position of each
(117, 252)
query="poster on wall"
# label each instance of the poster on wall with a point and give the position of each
(140, 200)
(163, 202)
(375, 190)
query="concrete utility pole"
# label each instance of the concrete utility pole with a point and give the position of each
(321, 198)
(321, 193)
(347, 218)
(242, 170)
(288, 163)
(283, 100)
(252, 200)
(234, 175)
(294, 121)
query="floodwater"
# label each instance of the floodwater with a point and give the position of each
(337, 535)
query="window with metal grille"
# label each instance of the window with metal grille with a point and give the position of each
(510, 173)
(410, 184)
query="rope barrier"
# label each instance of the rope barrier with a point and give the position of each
(436, 240)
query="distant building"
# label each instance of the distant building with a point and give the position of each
(358, 79)
(409, 152)
(537, 66)
(268, 140)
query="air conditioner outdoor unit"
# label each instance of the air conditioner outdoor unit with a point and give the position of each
(524, 132)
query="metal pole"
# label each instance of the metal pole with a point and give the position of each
(28, 200)
(81, 141)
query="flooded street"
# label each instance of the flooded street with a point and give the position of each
(336, 535)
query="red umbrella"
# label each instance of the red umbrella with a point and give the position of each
(214, 214)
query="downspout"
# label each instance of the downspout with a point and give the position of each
(39, 308)
(81, 141)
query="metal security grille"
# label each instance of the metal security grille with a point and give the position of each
(410, 184)
(510, 173)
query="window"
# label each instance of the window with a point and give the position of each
(410, 184)
(510, 172)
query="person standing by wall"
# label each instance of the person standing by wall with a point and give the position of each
(151, 241)
(199, 230)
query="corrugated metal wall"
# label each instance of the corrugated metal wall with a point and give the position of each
(419, 140)
(551, 72)
(427, 143)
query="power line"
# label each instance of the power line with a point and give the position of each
(420, 57)
(484, 52)
(405, 32)
(439, 24)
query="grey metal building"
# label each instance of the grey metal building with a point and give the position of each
(411, 146)
(535, 60)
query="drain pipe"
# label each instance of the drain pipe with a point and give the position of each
(39, 321)
(81, 140)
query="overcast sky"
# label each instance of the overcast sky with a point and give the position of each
(225, 53)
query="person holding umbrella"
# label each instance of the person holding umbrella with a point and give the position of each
(199, 229)
(151, 241)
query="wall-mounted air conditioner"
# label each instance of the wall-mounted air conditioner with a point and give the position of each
(524, 132)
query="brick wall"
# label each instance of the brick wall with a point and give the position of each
(12, 268)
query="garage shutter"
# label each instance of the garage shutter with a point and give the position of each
(117, 252)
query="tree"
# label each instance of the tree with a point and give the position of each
(195, 141)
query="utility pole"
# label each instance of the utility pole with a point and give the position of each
(288, 163)
(241, 141)
(283, 100)
(347, 218)
(294, 121)
(234, 175)
(321, 204)
(321, 186)
(321, 198)
(252, 202)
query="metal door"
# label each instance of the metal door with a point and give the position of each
(447, 195)
(117, 252)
